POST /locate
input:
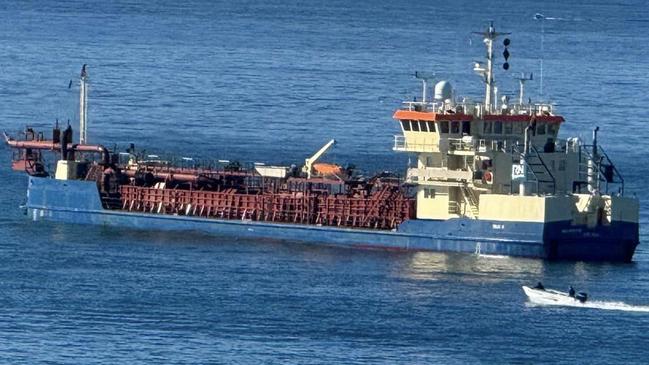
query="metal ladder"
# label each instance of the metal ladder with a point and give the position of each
(471, 201)
(536, 167)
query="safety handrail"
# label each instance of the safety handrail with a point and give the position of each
(600, 173)
(530, 170)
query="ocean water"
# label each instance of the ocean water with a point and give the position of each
(272, 81)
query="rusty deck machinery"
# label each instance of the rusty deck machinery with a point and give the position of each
(224, 193)
(382, 208)
(380, 202)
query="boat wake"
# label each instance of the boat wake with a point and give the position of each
(595, 304)
(487, 256)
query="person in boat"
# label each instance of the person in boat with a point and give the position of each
(571, 292)
(539, 286)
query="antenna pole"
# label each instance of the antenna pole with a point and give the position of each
(542, 54)
(521, 81)
(540, 17)
(424, 86)
(490, 35)
(83, 105)
(425, 79)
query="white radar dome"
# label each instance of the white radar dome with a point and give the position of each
(443, 90)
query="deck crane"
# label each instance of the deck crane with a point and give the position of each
(308, 163)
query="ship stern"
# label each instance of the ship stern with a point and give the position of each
(602, 228)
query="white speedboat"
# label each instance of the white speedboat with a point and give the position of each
(553, 297)
(541, 296)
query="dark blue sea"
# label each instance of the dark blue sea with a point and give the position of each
(272, 81)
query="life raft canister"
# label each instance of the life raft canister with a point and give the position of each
(488, 177)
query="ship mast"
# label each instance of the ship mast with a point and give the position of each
(83, 105)
(490, 36)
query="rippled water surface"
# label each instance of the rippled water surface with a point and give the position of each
(273, 81)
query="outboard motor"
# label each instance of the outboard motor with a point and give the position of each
(582, 297)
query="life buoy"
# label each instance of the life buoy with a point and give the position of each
(488, 177)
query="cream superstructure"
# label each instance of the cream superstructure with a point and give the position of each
(504, 161)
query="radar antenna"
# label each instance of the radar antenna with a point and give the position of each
(521, 82)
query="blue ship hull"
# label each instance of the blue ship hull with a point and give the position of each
(78, 202)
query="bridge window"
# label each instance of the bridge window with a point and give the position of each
(429, 193)
(422, 126)
(405, 124)
(466, 128)
(455, 127)
(508, 128)
(486, 129)
(519, 128)
(540, 129)
(498, 127)
(443, 126)
(431, 126)
(415, 126)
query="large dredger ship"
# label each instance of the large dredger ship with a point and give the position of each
(492, 177)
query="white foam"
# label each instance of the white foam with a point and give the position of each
(593, 304)
(487, 256)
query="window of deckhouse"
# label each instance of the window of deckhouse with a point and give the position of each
(540, 129)
(455, 127)
(406, 125)
(508, 128)
(498, 127)
(466, 128)
(443, 126)
(431, 126)
(422, 126)
(486, 127)
(519, 127)
(552, 129)
(415, 126)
